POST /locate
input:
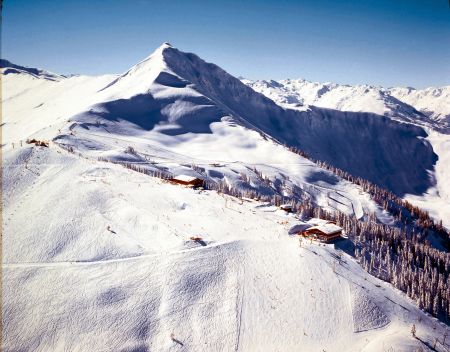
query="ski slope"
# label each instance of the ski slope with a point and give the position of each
(114, 267)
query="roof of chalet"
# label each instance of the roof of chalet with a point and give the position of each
(327, 229)
(317, 221)
(298, 228)
(185, 178)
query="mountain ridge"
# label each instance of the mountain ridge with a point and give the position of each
(403, 104)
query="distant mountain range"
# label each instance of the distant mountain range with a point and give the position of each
(429, 107)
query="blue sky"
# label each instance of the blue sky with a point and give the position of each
(381, 42)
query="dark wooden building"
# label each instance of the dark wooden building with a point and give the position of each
(286, 207)
(324, 233)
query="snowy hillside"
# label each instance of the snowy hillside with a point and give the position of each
(10, 68)
(96, 255)
(114, 267)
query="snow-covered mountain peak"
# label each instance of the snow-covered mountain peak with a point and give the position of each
(139, 78)
(174, 93)
(158, 52)
(166, 67)
(166, 45)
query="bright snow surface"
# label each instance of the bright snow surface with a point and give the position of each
(99, 257)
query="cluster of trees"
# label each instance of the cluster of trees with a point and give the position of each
(398, 255)
(389, 253)
(416, 268)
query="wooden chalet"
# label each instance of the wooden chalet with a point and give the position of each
(37, 143)
(324, 232)
(190, 181)
(286, 207)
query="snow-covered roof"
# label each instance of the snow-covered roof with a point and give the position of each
(286, 206)
(317, 221)
(327, 229)
(185, 178)
(298, 228)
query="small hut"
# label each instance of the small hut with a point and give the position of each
(286, 207)
(189, 181)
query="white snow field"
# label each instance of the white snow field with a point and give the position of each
(99, 257)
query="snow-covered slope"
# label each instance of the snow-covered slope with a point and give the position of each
(10, 68)
(100, 257)
(437, 198)
(33, 103)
